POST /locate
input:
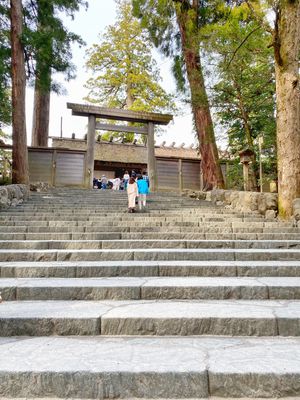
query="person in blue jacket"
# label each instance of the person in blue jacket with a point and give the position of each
(143, 190)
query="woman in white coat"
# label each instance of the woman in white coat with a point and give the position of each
(132, 192)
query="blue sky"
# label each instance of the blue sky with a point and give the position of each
(89, 24)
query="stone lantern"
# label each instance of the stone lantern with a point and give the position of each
(246, 158)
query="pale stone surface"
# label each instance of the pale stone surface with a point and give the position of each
(103, 368)
(150, 317)
(13, 195)
(254, 370)
(191, 318)
(179, 367)
(240, 201)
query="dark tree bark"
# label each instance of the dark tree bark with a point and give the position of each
(19, 154)
(287, 50)
(187, 19)
(41, 111)
(42, 89)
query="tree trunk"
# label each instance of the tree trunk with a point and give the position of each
(187, 18)
(19, 152)
(42, 89)
(40, 123)
(286, 48)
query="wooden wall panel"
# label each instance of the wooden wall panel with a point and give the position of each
(40, 166)
(167, 173)
(69, 169)
(191, 175)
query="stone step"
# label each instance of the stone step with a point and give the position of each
(152, 223)
(87, 269)
(145, 244)
(139, 216)
(149, 367)
(151, 317)
(99, 212)
(148, 236)
(162, 235)
(80, 227)
(153, 254)
(151, 288)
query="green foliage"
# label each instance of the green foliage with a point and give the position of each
(234, 175)
(47, 42)
(124, 73)
(244, 95)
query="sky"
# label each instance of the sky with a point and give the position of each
(89, 24)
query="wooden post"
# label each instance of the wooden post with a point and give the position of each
(246, 175)
(201, 176)
(180, 175)
(90, 151)
(152, 173)
(53, 169)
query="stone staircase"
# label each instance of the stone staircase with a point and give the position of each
(184, 301)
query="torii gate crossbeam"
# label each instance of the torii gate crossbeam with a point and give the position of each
(148, 119)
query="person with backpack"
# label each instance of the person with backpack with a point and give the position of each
(146, 178)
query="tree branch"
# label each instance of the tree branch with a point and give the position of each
(240, 45)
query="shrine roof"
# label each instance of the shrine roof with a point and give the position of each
(85, 110)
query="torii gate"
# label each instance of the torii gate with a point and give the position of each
(148, 119)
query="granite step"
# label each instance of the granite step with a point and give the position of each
(140, 217)
(94, 269)
(153, 254)
(92, 227)
(151, 317)
(151, 288)
(167, 367)
(138, 235)
(146, 244)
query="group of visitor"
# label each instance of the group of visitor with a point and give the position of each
(105, 183)
(136, 185)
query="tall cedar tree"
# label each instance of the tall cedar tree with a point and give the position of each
(124, 73)
(48, 49)
(19, 153)
(5, 67)
(172, 22)
(286, 45)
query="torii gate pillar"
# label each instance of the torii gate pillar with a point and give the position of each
(152, 171)
(90, 152)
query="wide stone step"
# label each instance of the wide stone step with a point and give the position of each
(140, 244)
(143, 217)
(151, 288)
(149, 368)
(148, 223)
(155, 254)
(162, 235)
(100, 211)
(151, 317)
(212, 229)
(88, 269)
